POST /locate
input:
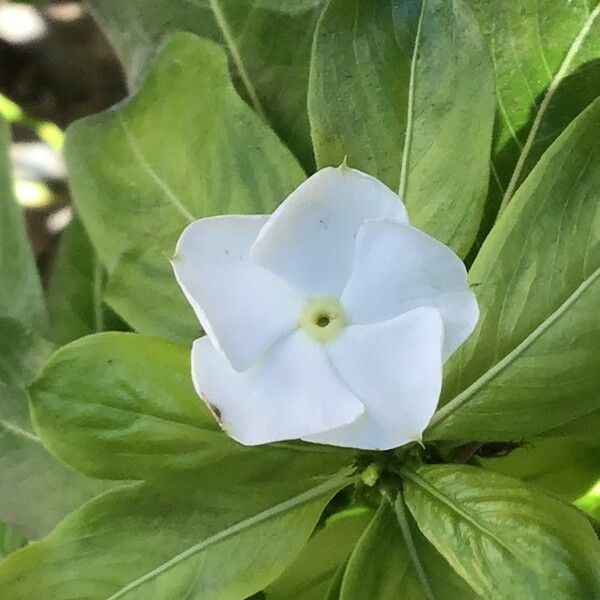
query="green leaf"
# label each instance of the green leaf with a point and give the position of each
(75, 291)
(141, 289)
(268, 44)
(546, 65)
(36, 490)
(531, 364)
(20, 289)
(311, 574)
(382, 567)
(186, 146)
(397, 91)
(505, 539)
(10, 540)
(190, 539)
(122, 406)
(565, 467)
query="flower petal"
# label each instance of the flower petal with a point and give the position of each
(398, 268)
(309, 240)
(242, 307)
(292, 392)
(395, 368)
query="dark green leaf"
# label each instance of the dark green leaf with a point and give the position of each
(546, 60)
(75, 291)
(267, 41)
(190, 539)
(184, 147)
(407, 96)
(532, 363)
(311, 574)
(20, 289)
(505, 539)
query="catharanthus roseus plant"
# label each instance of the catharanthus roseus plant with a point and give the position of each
(327, 321)
(384, 216)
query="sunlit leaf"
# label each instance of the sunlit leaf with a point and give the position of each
(505, 539)
(186, 146)
(268, 44)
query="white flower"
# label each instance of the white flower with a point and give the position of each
(328, 320)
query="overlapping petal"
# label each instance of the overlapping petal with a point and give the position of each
(395, 369)
(243, 307)
(309, 240)
(398, 268)
(291, 393)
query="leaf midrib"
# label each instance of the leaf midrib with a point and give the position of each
(248, 523)
(452, 506)
(19, 432)
(560, 74)
(461, 399)
(151, 171)
(410, 107)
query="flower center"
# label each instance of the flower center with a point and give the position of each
(322, 319)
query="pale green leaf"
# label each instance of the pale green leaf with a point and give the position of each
(532, 363)
(505, 539)
(122, 406)
(189, 539)
(313, 571)
(36, 491)
(141, 287)
(186, 146)
(407, 96)
(20, 289)
(382, 566)
(267, 42)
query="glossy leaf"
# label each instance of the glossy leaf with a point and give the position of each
(395, 90)
(20, 289)
(313, 571)
(122, 406)
(189, 539)
(184, 147)
(36, 490)
(531, 364)
(565, 467)
(381, 565)
(267, 42)
(505, 539)
(546, 60)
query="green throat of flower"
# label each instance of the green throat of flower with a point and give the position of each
(322, 319)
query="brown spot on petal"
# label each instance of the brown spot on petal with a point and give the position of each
(215, 410)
